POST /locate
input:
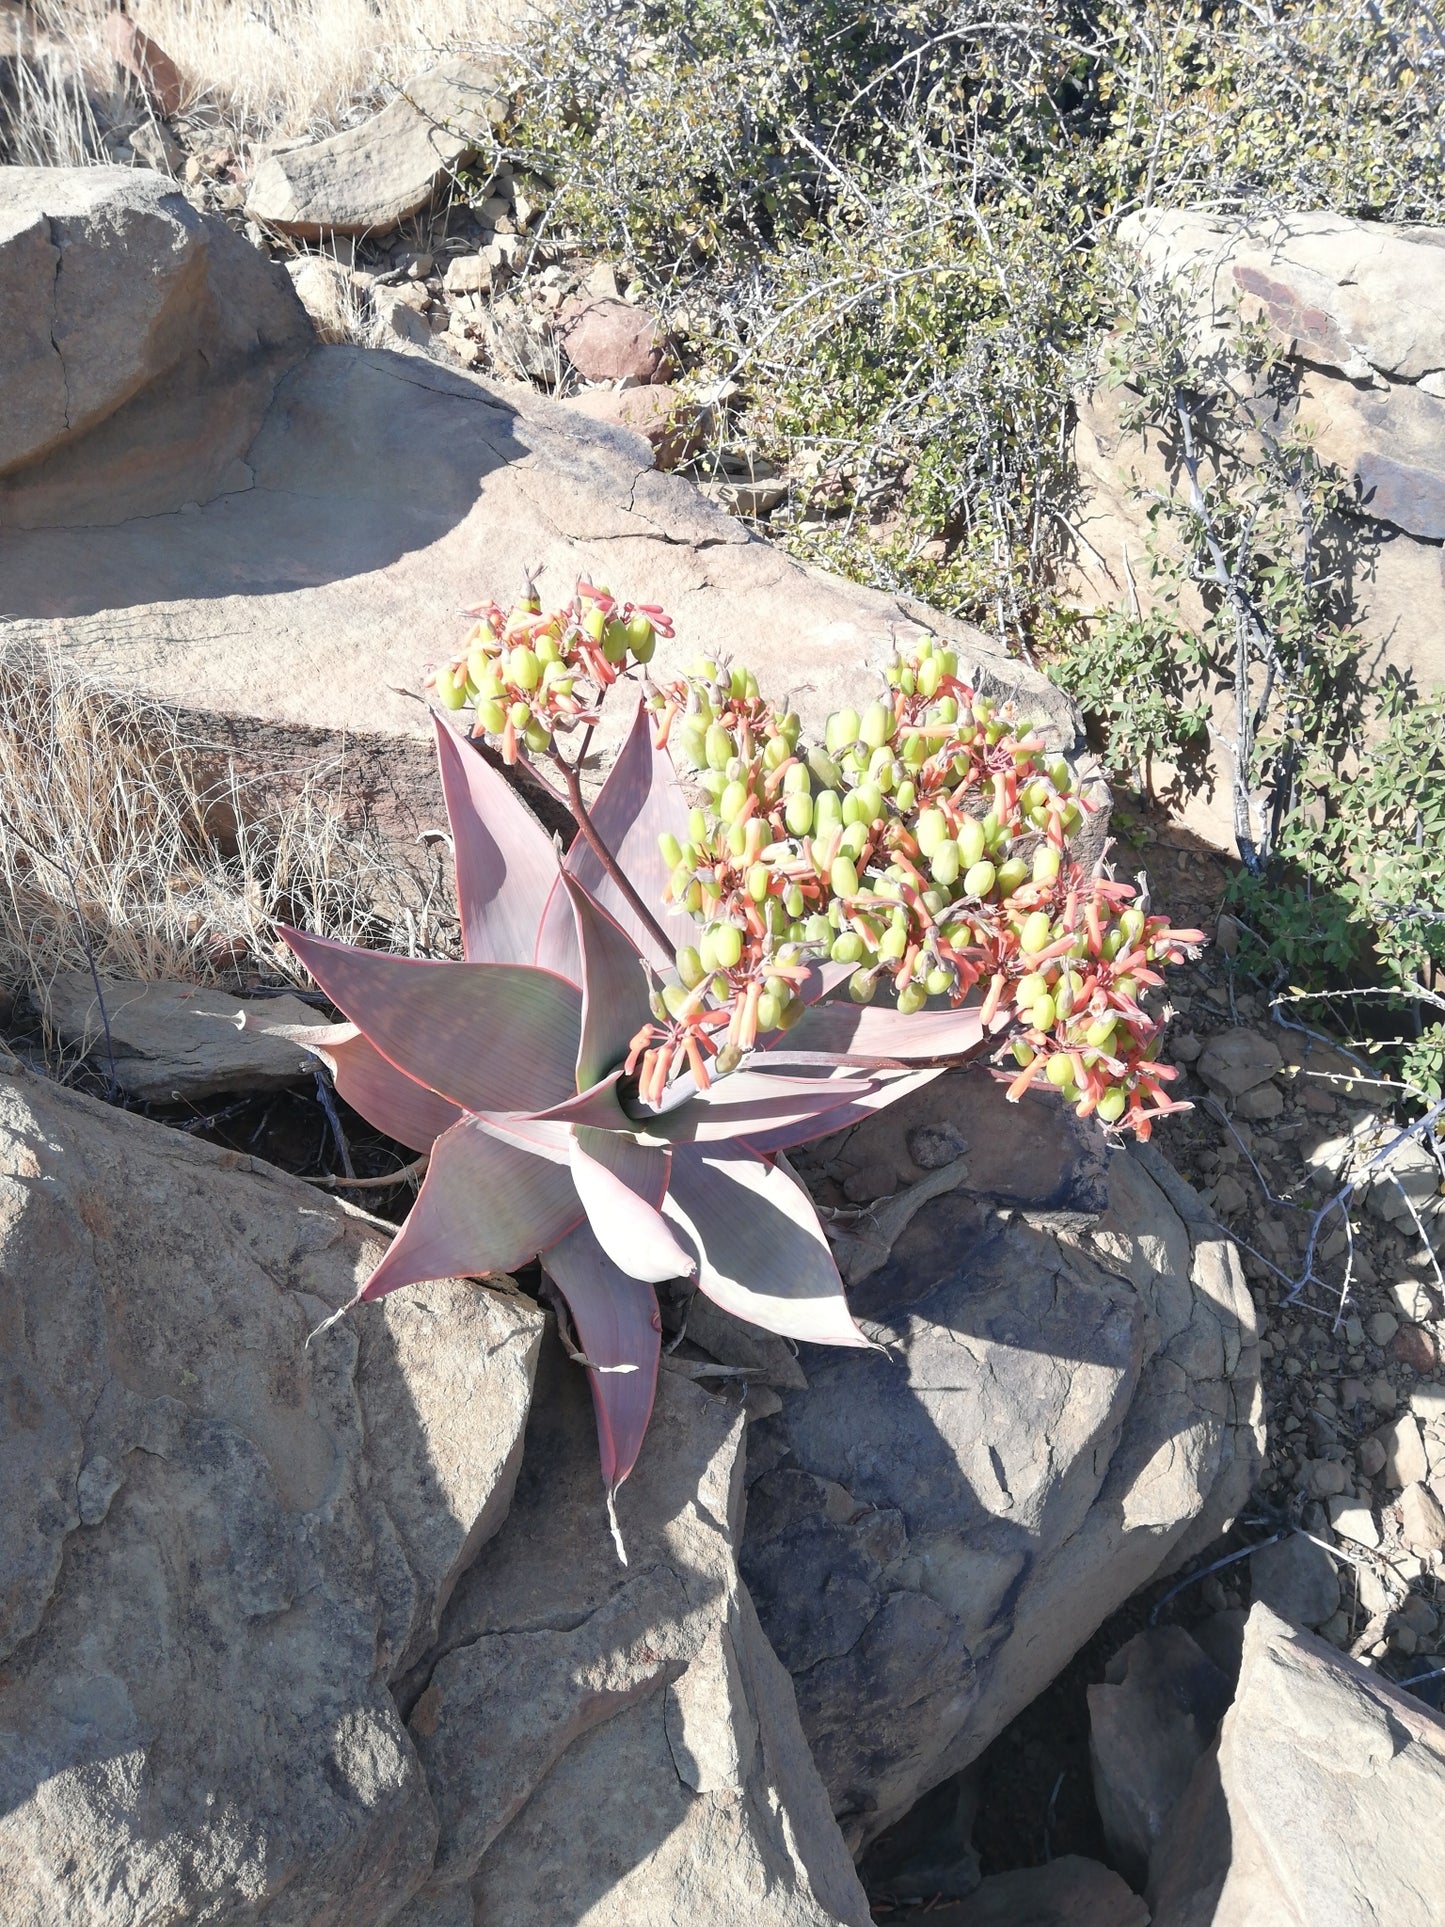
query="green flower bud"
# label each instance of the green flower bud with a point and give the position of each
(1099, 1034)
(855, 841)
(1044, 1015)
(843, 877)
(877, 725)
(841, 730)
(905, 796)
(931, 830)
(1111, 1105)
(759, 877)
(939, 981)
(862, 986)
(1047, 864)
(671, 849)
(451, 691)
(945, 865)
(524, 671)
(732, 802)
(911, 998)
(689, 966)
(1059, 1071)
(1012, 876)
(718, 746)
(1024, 1053)
(1037, 932)
(798, 813)
(491, 717)
(727, 943)
(848, 949)
(980, 879)
(536, 736)
(972, 842)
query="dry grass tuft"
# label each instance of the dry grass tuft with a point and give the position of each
(125, 846)
(287, 69)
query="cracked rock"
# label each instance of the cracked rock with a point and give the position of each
(1319, 1803)
(219, 1545)
(175, 1042)
(1069, 1404)
(140, 348)
(619, 1743)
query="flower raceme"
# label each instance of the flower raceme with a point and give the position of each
(509, 1069)
(638, 1028)
(922, 846)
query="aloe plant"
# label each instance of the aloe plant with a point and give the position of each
(637, 1030)
(510, 1069)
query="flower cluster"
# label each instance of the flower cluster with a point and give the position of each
(922, 846)
(528, 675)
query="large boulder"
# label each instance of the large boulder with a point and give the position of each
(369, 177)
(140, 344)
(219, 1545)
(618, 1744)
(289, 605)
(1069, 1404)
(1357, 306)
(1320, 1805)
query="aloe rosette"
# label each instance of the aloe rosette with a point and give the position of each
(509, 1069)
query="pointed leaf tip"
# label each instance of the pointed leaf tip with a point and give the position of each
(617, 1323)
(761, 1251)
(505, 861)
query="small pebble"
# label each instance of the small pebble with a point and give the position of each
(1354, 1521)
(1370, 1457)
(1336, 1629)
(1382, 1328)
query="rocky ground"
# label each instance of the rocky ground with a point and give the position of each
(921, 1577)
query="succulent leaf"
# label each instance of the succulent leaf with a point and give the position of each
(751, 1101)
(505, 861)
(761, 1251)
(485, 1205)
(617, 1324)
(621, 1184)
(385, 1096)
(491, 1037)
(887, 1088)
(853, 1030)
(614, 988)
(639, 800)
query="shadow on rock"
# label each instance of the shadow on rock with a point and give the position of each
(1068, 1404)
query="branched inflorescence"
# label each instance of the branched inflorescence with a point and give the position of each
(527, 674)
(920, 849)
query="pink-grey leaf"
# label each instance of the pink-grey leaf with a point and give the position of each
(598, 1106)
(505, 861)
(868, 1030)
(621, 1184)
(751, 1101)
(617, 1323)
(387, 1097)
(484, 1205)
(887, 1088)
(760, 1249)
(614, 988)
(491, 1037)
(640, 798)
(558, 947)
